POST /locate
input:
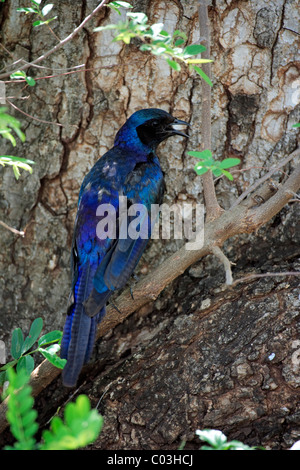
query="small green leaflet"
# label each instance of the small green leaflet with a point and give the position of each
(193, 49)
(16, 163)
(40, 22)
(81, 426)
(204, 154)
(46, 9)
(22, 75)
(203, 75)
(208, 163)
(174, 64)
(50, 354)
(17, 341)
(34, 333)
(25, 363)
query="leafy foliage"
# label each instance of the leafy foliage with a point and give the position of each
(156, 40)
(48, 345)
(40, 12)
(20, 74)
(16, 163)
(9, 124)
(117, 5)
(218, 441)
(208, 163)
(20, 412)
(81, 425)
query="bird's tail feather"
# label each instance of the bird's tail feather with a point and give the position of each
(79, 332)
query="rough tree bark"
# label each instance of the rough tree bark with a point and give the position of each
(202, 355)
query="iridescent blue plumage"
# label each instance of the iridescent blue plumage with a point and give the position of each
(100, 265)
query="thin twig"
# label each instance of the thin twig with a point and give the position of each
(61, 43)
(268, 274)
(266, 177)
(60, 69)
(35, 118)
(216, 250)
(60, 74)
(13, 230)
(213, 209)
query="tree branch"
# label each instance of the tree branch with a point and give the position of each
(60, 44)
(13, 230)
(213, 209)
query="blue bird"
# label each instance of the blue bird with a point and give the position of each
(103, 258)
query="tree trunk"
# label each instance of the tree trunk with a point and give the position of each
(202, 355)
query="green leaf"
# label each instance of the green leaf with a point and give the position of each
(17, 341)
(194, 49)
(18, 74)
(200, 170)
(16, 163)
(120, 4)
(81, 427)
(218, 441)
(227, 174)
(34, 333)
(38, 23)
(159, 51)
(30, 81)
(3, 378)
(145, 47)
(51, 337)
(180, 34)
(203, 75)
(138, 17)
(204, 154)
(296, 125)
(8, 135)
(50, 354)
(179, 41)
(46, 9)
(216, 171)
(229, 162)
(50, 19)
(25, 363)
(16, 171)
(9, 364)
(20, 413)
(8, 122)
(213, 437)
(36, 2)
(103, 28)
(174, 64)
(156, 29)
(17, 159)
(26, 10)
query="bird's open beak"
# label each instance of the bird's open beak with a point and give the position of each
(173, 127)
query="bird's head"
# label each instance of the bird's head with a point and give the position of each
(149, 126)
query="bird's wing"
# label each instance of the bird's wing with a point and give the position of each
(141, 187)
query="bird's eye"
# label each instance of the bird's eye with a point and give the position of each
(154, 123)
